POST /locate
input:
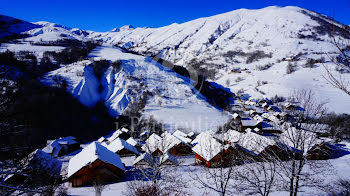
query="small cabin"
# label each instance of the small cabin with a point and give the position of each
(93, 164)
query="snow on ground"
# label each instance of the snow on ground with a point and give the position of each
(187, 171)
(282, 84)
(37, 50)
(173, 100)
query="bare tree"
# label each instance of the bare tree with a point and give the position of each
(258, 176)
(99, 187)
(299, 139)
(156, 171)
(342, 62)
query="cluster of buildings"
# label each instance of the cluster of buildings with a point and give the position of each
(256, 134)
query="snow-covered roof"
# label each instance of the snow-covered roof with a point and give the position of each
(115, 135)
(299, 139)
(54, 147)
(153, 143)
(190, 134)
(208, 147)
(101, 139)
(182, 136)
(90, 154)
(119, 144)
(250, 123)
(258, 118)
(235, 115)
(254, 142)
(132, 141)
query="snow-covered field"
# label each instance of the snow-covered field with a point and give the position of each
(37, 50)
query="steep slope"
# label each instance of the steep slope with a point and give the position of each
(171, 98)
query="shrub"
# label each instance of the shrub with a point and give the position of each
(290, 68)
(100, 68)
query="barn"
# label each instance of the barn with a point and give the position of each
(95, 163)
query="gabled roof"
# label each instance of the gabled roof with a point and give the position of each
(90, 154)
(153, 143)
(119, 144)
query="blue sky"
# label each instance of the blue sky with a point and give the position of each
(103, 15)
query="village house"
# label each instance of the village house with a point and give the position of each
(122, 148)
(153, 145)
(137, 144)
(211, 153)
(176, 146)
(252, 124)
(257, 146)
(61, 146)
(95, 164)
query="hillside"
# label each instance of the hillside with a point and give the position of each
(253, 39)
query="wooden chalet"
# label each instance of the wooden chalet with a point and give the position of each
(95, 163)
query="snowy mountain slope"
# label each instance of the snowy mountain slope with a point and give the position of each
(253, 39)
(172, 99)
(53, 32)
(205, 37)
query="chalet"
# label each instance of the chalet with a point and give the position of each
(252, 124)
(321, 151)
(37, 163)
(61, 146)
(122, 148)
(95, 163)
(176, 146)
(211, 153)
(147, 159)
(256, 145)
(153, 145)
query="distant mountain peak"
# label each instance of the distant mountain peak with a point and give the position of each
(123, 28)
